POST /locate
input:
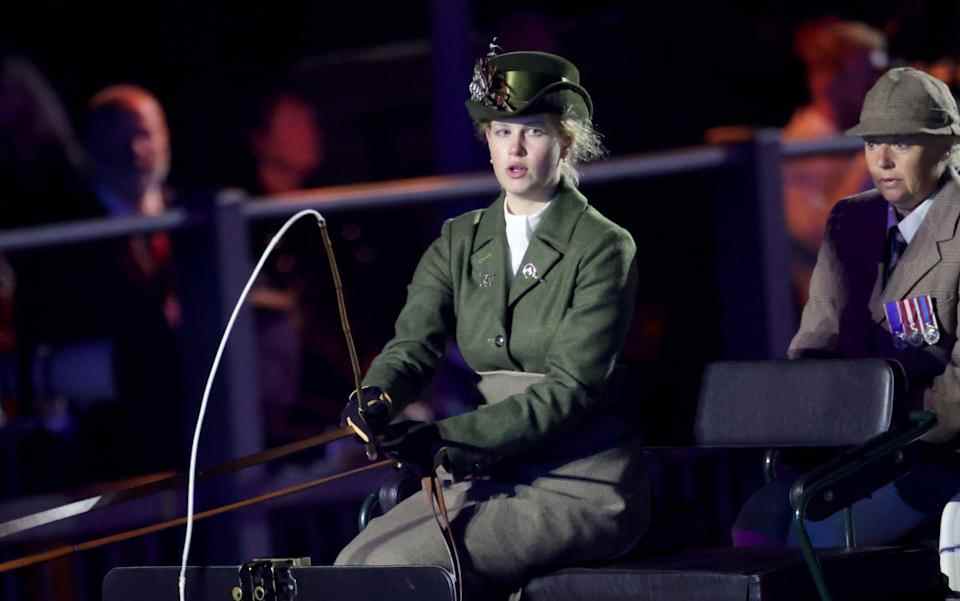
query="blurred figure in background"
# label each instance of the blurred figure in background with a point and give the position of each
(129, 146)
(40, 157)
(842, 59)
(923, 35)
(109, 305)
(289, 145)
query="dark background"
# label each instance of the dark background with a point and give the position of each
(660, 74)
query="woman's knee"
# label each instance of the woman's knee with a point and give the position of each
(383, 544)
(364, 551)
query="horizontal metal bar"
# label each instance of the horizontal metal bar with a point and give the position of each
(90, 229)
(684, 160)
(451, 188)
(362, 196)
(405, 192)
(822, 147)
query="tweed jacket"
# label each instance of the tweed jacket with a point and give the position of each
(565, 314)
(845, 312)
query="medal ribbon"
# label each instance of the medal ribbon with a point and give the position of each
(907, 307)
(893, 316)
(929, 317)
(931, 330)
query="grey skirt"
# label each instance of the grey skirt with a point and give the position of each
(524, 519)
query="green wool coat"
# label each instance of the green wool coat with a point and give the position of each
(565, 315)
(577, 488)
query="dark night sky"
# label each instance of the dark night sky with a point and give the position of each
(660, 73)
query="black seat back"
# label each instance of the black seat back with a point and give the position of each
(805, 403)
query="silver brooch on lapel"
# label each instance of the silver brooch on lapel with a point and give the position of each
(529, 271)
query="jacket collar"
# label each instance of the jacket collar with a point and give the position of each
(559, 221)
(924, 251)
(556, 227)
(490, 224)
(550, 240)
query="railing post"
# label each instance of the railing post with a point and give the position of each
(778, 297)
(753, 255)
(212, 276)
(241, 415)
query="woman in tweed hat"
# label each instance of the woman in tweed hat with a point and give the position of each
(886, 251)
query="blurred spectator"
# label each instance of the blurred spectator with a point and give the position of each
(945, 69)
(288, 144)
(40, 158)
(109, 306)
(923, 35)
(842, 60)
(302, 368)
(288, 148)
(129, 145)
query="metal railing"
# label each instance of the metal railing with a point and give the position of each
(220, 235)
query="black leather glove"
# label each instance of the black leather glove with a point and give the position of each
(419, 444)
(367, 414)
(412, 442)
(464, 463)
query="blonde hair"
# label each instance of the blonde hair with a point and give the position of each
(582, 142)
(585, 145)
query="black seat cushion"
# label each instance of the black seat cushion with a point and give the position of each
(881, 573)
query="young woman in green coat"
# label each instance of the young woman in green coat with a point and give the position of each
(538, 291)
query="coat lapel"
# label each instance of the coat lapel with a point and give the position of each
(549, 242)
(924, 251)
(488, 260)
(537, 261)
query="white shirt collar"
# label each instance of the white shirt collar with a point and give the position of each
(519, 229)
(533, 219)
(911, 223)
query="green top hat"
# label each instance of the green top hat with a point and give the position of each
(523, 83)
(905, 101)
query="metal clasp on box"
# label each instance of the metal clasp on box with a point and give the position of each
(268, 579)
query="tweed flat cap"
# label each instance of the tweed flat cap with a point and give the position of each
(907, 101)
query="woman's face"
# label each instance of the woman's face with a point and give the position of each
(526, 153)
(906, 169)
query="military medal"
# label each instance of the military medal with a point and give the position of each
(914, 336)
(931, 329)
(486, 280)
(896, 324)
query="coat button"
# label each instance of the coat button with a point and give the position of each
(499, 340)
